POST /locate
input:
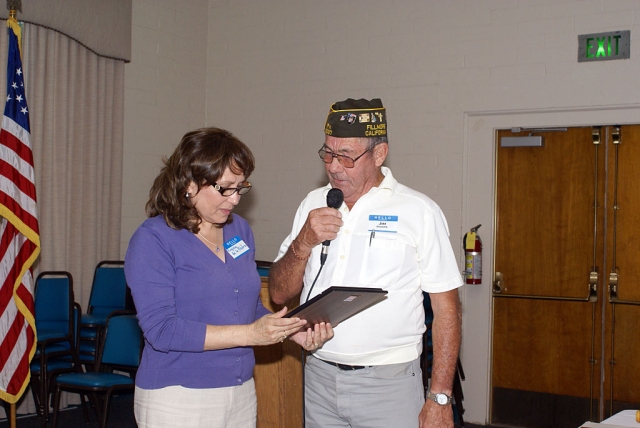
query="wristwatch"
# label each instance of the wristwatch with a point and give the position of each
(440, 398)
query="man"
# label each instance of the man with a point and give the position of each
(385, 235)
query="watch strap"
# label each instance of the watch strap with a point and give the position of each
(434, 397)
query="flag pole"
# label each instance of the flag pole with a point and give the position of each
(12, 406)
(12, 416)
(13, 6)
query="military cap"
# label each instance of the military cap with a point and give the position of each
(357, 118)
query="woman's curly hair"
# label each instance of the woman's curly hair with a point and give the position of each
(201, 157)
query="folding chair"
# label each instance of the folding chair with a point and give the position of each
(108, 294)
(55, 329)
(121, 350)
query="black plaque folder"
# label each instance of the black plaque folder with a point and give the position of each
(336, 304)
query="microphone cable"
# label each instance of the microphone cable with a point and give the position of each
(314, 283)
(305, 353)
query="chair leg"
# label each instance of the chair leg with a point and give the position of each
(56, 406)
(44, 394)
(105, 410)
(35, 388)
(84, 407)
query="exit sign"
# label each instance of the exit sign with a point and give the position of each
(604, 46)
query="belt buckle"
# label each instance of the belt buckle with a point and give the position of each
(344, 366)
(348, 367)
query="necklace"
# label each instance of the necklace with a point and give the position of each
(215, 245)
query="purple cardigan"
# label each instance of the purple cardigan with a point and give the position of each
(179, 286)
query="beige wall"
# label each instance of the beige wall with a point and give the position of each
(448, 72)
(165, 94)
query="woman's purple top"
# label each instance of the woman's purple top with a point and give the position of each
(179, 286)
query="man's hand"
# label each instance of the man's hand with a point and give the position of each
(322, 224)
(312, 339)
(285, 275)
(434, 415)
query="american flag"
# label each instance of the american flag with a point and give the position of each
(19, 232)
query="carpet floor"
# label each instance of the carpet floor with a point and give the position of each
(120, 416)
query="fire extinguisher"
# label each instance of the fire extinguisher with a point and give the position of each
(472, 256)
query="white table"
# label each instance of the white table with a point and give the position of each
(625, 418)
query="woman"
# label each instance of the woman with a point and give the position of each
(192, 273)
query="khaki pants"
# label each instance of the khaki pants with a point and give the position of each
(176, 406)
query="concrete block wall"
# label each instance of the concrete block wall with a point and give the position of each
(446, 70)
(165, 94)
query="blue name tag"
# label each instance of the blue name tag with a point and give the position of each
(383, 223)
(236, 247)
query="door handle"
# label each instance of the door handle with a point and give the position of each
(613, 286)
(593, 286)
(592, 297)
(497, 283)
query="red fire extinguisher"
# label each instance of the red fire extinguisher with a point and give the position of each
(472, 256)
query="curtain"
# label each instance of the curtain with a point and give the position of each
(104, 26)
(76, 103)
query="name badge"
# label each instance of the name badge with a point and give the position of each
(383, 223)
(236, 247)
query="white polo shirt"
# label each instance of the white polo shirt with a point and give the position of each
(394, 238)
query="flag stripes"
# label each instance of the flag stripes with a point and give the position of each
(19, 239)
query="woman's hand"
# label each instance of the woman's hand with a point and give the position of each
(310, 339)
(273, 328)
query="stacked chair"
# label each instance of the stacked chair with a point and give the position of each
(121, 350)
(56, 317)
(108, 294)
(69, 343)
(426, 363)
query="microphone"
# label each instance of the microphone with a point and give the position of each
(334, 200)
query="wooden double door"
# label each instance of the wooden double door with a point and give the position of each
(566, 291)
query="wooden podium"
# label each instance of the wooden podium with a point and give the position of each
(278, 377)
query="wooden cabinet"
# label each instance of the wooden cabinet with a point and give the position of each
(278, 377)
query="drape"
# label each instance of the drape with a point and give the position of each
(76, 104)
(76, 99)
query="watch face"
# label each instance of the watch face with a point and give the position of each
(441, 399)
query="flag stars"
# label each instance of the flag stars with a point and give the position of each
(19, 71)
(14, 86)
(19, 98)
(23, 110)
(8, 97)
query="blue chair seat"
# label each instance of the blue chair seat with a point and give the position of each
(89, 333)
(87, 348)
(93, 380)
(47, 334)
(94, 320)
(52, 365)
(62, 347)
(86, 359)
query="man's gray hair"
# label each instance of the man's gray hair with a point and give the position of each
(374, 141)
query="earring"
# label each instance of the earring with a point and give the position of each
(187, 195)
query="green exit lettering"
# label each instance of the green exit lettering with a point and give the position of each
(612, 45)
(602, 46)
